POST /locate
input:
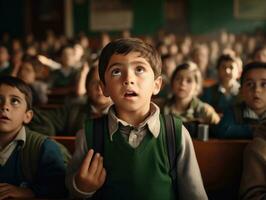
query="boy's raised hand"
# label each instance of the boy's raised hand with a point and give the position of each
(11, 191)
(91, 175)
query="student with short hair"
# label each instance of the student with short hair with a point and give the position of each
(241, 120)
(134, 163)
(224, 93)
(31, 165)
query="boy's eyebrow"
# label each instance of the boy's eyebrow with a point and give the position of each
(21, 98)
(123, 63)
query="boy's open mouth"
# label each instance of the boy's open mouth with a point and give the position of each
(130, 94)
(3, 117)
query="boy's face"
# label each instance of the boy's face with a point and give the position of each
(228, 70)
(13, 110)
(68, 57)
(27, 73)
(130, 82)
(253, 90)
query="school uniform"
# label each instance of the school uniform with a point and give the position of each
(48, 181)
(137, 164)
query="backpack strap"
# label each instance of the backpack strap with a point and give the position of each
(173, 128)
(30, 154)
(98, 134)
(94, 131)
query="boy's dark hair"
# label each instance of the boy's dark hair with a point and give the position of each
(20, 85)
(225, 58)
(125, 46)
(251, 66)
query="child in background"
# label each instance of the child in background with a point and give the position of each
(5, 65)
(134, 164)
(70, 118)
(18, 177)
(240, 121)
(224, 93)
(39, 89)
(186, 83)
(66, 77)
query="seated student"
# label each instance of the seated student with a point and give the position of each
(224, 93)
(186, 84)
(70, 118)
(66, 77)
(134, 163)
(5, 66)
(39, 89)
(240, 120)
(31, 165)
(253, 182)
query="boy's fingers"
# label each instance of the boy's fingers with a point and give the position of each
(99, 168)
(94, 164)
(102, 176)
(86, 162)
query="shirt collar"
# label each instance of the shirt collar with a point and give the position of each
(7, 150)
(233, 90)
(250, 114)
(152, 121)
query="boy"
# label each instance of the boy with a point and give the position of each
(241, 120)
(135, 156)
(18, 177)
(224, 93)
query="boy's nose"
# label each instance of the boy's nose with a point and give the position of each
(128, 82)
(4, 107)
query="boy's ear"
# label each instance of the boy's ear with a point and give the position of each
(157, 85)
(104, 89)
(28, 116)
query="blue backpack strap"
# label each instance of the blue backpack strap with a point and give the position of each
(173, 129)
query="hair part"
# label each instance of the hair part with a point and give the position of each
(125, 46)
(21, 86)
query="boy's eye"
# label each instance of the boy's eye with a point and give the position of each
(263, 85)
(249, 84)
(139, 69)
(116, 72)
(15, 101)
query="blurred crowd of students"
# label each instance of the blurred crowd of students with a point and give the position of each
(220, 82)
(201, 75)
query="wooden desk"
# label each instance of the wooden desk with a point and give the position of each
(220, 163)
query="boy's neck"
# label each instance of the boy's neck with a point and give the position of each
(134, 118)
(227, 85)
(6, 138)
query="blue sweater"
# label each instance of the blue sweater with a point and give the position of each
(50, 177)
(233, 125)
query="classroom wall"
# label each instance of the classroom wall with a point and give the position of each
(148, 16)
(206, 16)
(11, 17)
(202, 16)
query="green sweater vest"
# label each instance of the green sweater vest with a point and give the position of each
(136, 173)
